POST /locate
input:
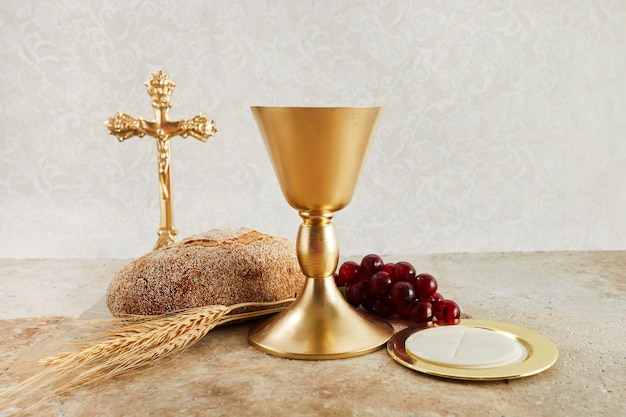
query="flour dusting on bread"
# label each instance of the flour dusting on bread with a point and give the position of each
(221, 266)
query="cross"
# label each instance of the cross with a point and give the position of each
(124, 126)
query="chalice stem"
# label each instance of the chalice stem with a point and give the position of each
(317, 246)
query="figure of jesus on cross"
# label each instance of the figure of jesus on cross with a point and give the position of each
(124, 126)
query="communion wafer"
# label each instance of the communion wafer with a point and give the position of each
(221, 266)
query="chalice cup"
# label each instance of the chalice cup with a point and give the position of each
(317, 154)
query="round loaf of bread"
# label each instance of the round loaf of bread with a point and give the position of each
(221, 266)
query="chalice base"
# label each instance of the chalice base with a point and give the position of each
(320, 324)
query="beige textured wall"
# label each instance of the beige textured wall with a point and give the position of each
(504, 124)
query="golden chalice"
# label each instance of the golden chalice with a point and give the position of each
(317, 154)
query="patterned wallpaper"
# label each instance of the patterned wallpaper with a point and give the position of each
(503, 128)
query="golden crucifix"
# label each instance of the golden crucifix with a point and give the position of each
(124, 126)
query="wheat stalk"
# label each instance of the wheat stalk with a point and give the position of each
(134, 341)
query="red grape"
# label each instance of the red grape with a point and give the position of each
(425, 285)
(388, 268)
(446, 312)
(383, 307)
(403, 271)
(370, 264)
(362, 276)
(435, 297)
(422, 312)
(347, 272)
(404, 312)
(402, 294)
(380, 283)
(369, 301)
(357, 293)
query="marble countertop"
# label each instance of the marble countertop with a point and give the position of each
(576, 299)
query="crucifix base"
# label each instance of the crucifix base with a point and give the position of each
(166, 238)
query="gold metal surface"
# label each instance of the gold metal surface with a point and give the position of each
(123, 126)
(320, 325)
(542, 354)
(317, 154)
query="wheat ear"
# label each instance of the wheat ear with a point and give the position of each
(134, 342)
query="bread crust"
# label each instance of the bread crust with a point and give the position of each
(221, 266)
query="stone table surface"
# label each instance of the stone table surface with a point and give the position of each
(576, 299)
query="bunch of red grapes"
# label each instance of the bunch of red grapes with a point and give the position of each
(395, 289)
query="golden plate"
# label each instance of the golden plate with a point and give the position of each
(542, 354)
